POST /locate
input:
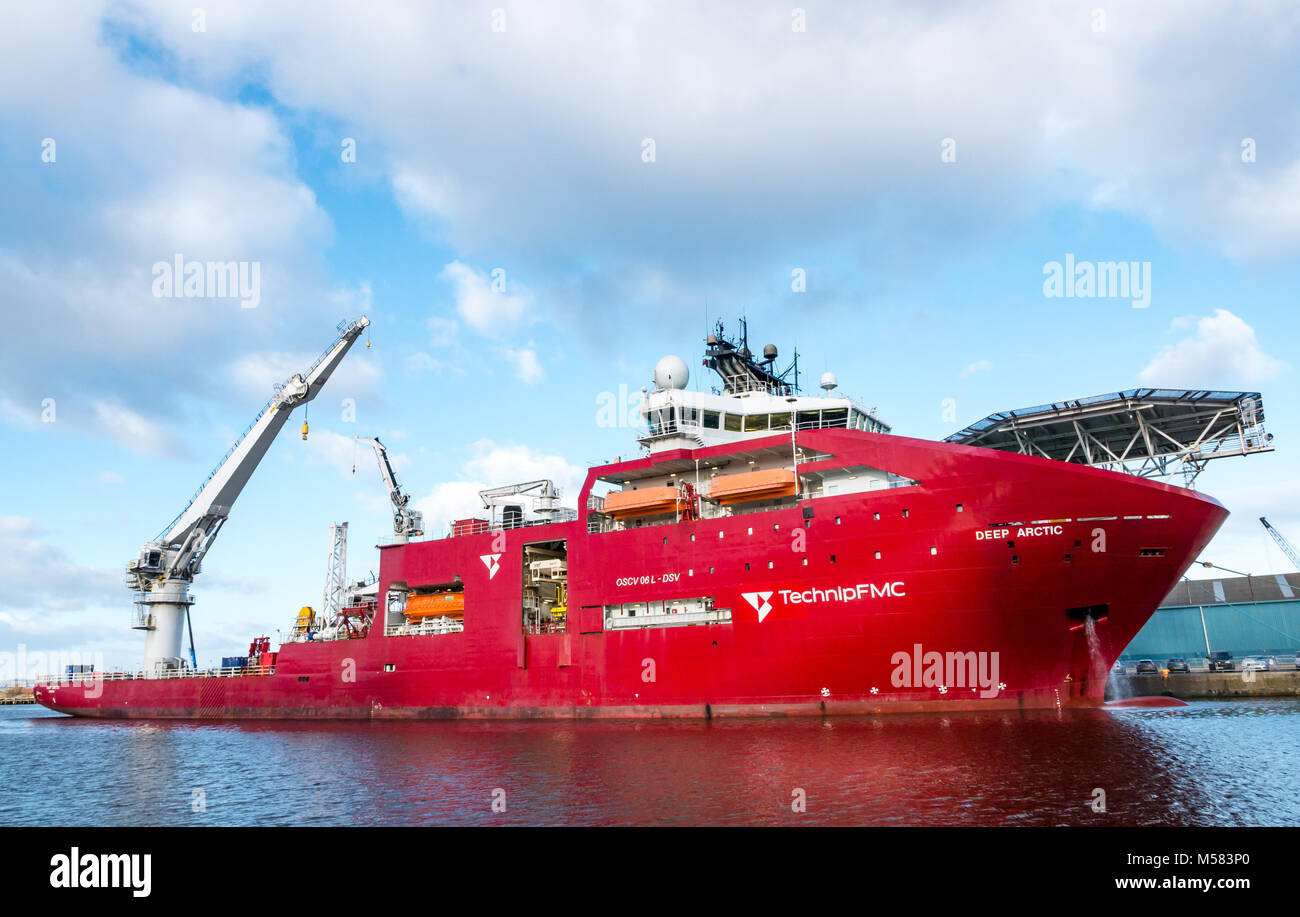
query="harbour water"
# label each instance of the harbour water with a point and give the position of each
(1209, 763)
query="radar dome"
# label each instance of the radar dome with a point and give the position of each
(829, 381)
(671, 372)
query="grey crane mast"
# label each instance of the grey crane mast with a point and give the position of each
(162, 574)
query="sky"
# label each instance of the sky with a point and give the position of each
(533, 202)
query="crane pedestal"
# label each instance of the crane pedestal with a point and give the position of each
(163, 619)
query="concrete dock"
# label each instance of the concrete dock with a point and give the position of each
(1204, 685)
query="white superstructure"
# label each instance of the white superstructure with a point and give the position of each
(754, 401)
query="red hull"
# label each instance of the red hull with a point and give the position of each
(938, 586)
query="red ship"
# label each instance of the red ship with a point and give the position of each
(770, 553)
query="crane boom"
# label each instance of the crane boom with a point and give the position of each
(406, 522)
(504, 505)
(166, 566)
(1282, 543)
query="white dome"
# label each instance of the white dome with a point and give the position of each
(671, 372)
(828, 381)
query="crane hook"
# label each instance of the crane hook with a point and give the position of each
(304, 431)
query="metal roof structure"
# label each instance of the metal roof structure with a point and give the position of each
(1149, 432)
(1272, 587)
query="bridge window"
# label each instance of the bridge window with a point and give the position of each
(711, 420)
(732, 422)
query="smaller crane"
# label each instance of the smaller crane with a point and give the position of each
(1282, 543)
(406, 522)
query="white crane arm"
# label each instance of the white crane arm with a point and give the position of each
(218, 494)
(386, 469)
(545, 491)
(406, 522)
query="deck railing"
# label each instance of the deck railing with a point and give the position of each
(88, 677)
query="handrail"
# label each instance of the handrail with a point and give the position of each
(86, 678)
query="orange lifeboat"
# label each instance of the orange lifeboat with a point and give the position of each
(649, 501)
(752, 485)
(430, 604)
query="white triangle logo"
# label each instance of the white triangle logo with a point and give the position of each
(490, 561)
(760, 602)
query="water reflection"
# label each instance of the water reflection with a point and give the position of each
(1230, 763)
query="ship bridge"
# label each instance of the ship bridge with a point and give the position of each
(754, 400)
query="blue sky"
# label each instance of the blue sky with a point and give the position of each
(523, 150)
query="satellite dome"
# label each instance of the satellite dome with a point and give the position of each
(769, 352)
(671, 372)
(828, 381)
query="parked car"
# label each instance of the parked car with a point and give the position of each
(1258, 663)
(1219, 662)
(1119, 667)
(1177, 665)
(1146, 667)
(1297, 660)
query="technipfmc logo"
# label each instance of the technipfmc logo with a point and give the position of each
(760, 602)
(789, 602)
(490, 561)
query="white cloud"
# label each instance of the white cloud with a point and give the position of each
(110, 478)
(443, 332)
(452, 104)
(1223, 351)
(174, 170)
(133, 431)
(418, 363)
(979, 366)
(527, 367)
(34, 575)
(484, 309)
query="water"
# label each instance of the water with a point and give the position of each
(1097, 669)
(1211, 763)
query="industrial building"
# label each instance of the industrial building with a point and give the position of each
(1243, 615)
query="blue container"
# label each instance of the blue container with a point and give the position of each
(234, 662)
